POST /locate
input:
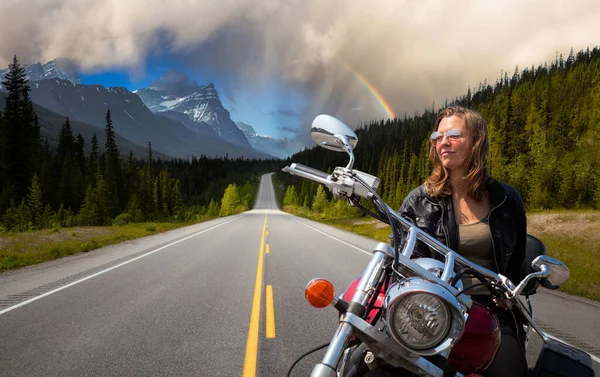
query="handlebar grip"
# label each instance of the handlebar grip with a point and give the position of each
(309, 170)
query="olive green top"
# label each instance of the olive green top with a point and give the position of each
(475, 244)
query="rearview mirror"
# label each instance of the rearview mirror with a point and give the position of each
(558, 272)
(329, 132)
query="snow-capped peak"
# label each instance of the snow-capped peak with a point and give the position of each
(54, 69)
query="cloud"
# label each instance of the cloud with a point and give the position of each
(284, 112)
(292, 130)
(177, 83)
(413, 52)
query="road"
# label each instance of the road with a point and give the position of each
(220, 298)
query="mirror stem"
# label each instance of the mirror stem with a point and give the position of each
(544, 272)
(351, 154)
(348, 149)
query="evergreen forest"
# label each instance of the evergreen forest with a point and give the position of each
(42, 187)
(544, 126)
(544, 129)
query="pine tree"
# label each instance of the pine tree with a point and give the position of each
(320, 200)
(93, 161)
(111, 171)
(2, 157)
(48, 180)
(70, 187)
(134, 209)
(66, 143)
(148, 186)
(11, 219)
(89, 209)
(101, 199)
(177, 197)
(21, 144)
(79, 148)
(34, 202)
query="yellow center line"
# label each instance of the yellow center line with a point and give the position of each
(270, 312)
(252, 342)
(268, 249)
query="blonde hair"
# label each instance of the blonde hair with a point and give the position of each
(475, 163)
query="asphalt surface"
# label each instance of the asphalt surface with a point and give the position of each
(195, 302)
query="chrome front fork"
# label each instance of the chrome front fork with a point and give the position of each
(364, 291)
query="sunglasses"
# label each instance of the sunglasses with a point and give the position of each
(452, 135)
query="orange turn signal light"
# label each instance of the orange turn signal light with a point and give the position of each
(319, 293)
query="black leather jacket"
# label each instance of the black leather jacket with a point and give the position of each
(507, 221)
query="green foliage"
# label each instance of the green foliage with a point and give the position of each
(213, 209)
(89, 210)
(247, 195)
(320, 200)
(122, 219)
(230, 201)
(544, 130)
(291, 198)
(19, 133)
(134, 209)
(34, 202)
(75, 189)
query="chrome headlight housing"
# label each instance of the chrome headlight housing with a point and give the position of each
(436, 267)
(422, 316)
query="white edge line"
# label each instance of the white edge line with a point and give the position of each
(330, 236)
(109, 269)
(596, 359)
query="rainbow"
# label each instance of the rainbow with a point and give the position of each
(386, 106)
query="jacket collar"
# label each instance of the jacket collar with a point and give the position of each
(497, 192)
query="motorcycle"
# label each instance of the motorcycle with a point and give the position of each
(407, 316)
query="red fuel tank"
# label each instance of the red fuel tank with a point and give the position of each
(477, 347)
(349, 292)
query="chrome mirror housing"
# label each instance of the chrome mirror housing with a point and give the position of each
(331, 133)
(557, 272)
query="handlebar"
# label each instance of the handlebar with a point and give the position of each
(332, 182)
(309, 173)
(345, 183)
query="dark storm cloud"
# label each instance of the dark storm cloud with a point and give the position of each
(412, 52)
(176, 82)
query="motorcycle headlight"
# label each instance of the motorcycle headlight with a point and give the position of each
(422, 316)
(420, 321)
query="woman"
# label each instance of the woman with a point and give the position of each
(481, 218)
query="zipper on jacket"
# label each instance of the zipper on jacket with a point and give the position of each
(493, 246)
(443, 226)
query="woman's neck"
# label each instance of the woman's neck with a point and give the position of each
(460, 187)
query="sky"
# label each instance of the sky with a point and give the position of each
(272, 109)
(278, 64)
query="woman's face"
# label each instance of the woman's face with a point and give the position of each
(452, 148)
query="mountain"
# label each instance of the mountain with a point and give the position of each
(131, 119)
(281, 148)
(51, 123)
(203, 105)
(54, 69)
(198, 127)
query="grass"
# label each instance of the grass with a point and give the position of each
(23, 249)
(570, 236)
